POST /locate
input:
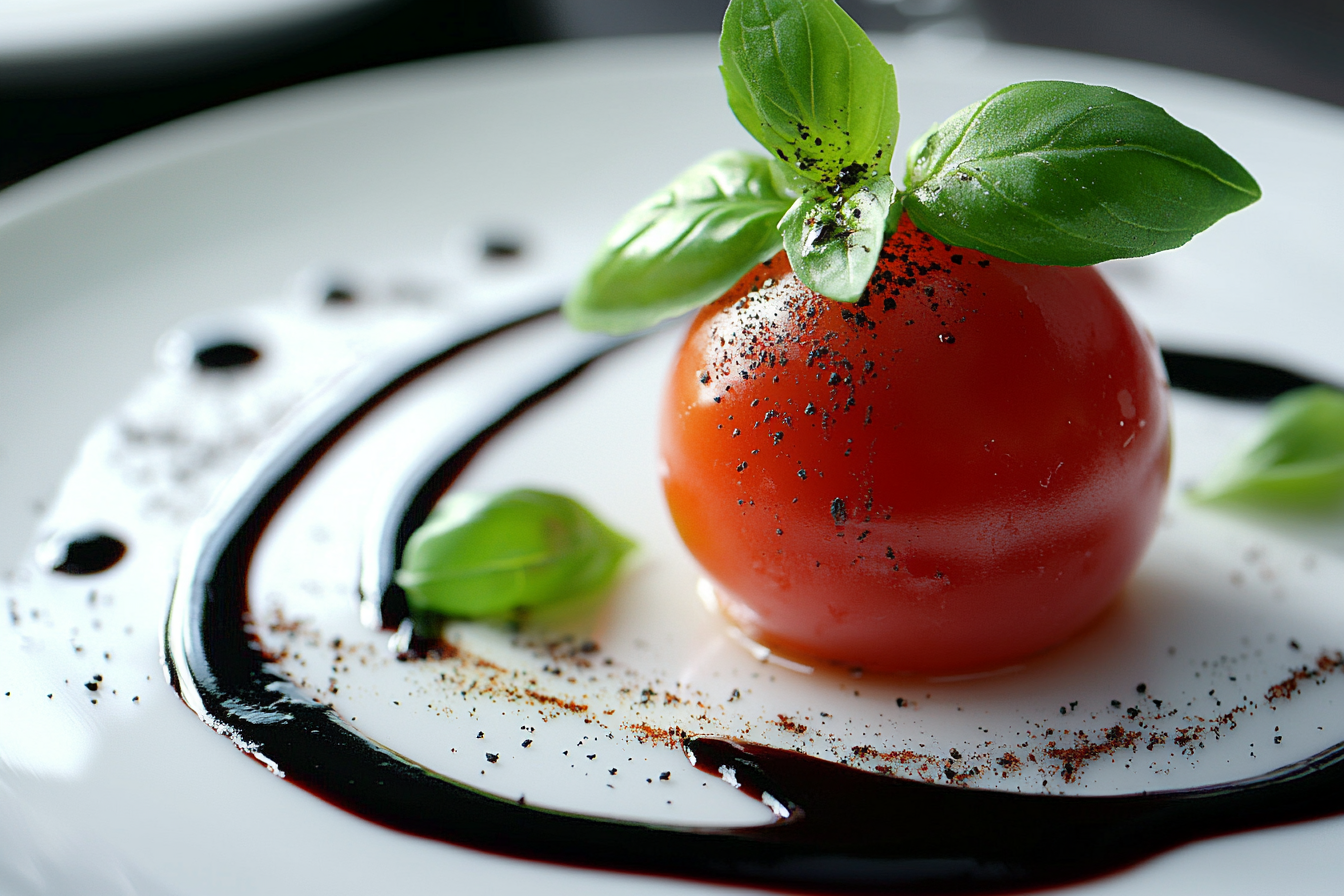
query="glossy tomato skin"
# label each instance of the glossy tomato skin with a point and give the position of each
(958, 471)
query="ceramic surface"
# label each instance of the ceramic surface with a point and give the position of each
(236, 223)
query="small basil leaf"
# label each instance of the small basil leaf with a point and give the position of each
(481, 555)
(684, 246)
(834, 242)
(807, 83)
(1052, 172)
(1293, 458)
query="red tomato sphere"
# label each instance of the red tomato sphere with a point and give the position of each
(959, 470)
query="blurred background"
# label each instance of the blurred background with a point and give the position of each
(75, 74)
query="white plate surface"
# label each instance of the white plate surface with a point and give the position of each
(394, 177)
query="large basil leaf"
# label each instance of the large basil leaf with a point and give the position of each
(684, 246)
(1293, 458)
(834, 241)
(811, 87)
(484, 555)
(1052, 172)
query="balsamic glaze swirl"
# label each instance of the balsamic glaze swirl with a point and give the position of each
(843, 829)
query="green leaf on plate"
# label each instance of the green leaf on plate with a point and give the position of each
(684, 246)
(484, 555)
(807, 83)
(1293, 459)
(833, 241)
(1052, 172)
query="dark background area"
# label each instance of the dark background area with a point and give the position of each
(57, 107)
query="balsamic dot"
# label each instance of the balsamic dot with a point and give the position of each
(226, 355)
(339, 294)
(502, 247)
(87, 554)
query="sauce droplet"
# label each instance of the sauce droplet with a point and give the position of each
(339, 294)
(225, 355)
(502, 247)
(84, 555)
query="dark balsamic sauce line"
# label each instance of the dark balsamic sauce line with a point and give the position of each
(1224, 377)
(846, 829)
(219, 547)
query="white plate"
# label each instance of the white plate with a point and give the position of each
(373, 174)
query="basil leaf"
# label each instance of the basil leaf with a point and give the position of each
(1294, 458)
(481, 555)
(807, 83)
(1051, 172)
(834, 242)
(684, 246)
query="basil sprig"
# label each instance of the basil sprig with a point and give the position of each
(1052, 172)
(683, 246)
(1294, 458)
(1044, 172)
(809, 85)
(485, 555)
